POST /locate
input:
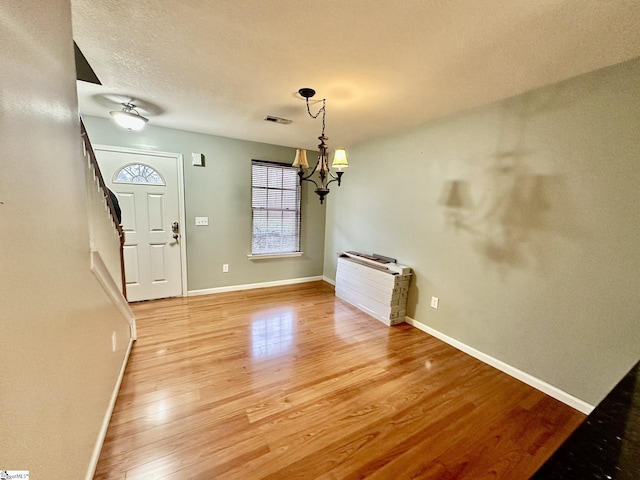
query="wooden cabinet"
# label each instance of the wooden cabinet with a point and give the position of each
(378, 292)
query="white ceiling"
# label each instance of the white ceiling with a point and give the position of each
(220, 66)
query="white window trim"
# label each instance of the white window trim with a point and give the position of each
(274, 255)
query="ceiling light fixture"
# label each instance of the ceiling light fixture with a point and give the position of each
(129, 117)
(322, 166)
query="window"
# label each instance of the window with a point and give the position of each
(138, 173)
(275, 206)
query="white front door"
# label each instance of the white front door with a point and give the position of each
(146, 185)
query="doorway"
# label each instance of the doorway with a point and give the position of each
(149, 188)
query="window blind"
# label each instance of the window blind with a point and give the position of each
(275, 206)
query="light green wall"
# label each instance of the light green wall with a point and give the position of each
(523, 218)
(221, 190)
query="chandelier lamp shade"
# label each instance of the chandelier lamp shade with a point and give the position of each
(325, 177)
(129, 117)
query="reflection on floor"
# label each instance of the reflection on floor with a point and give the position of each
(272, 333)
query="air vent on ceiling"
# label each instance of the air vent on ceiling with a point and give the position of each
(271, 118)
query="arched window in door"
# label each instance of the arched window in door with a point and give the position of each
(138, 173)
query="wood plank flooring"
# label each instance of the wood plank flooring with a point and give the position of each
(293, 383)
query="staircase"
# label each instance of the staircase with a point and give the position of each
(106, 237)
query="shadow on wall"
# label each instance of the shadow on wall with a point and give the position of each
(509, 214)
(413, 296)
(514, 210)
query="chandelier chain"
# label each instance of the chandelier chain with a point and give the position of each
(322, 110)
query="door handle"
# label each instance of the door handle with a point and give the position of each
(175, 228)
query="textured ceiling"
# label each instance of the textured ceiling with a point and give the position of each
(220, 66)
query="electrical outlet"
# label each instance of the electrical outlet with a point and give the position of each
(114, 341)
(434, 302)
(225, 268)
(202, 220)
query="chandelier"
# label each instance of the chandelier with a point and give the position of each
(325, 176)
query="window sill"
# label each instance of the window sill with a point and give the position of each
(274, 255)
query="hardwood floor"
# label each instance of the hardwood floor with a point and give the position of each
(291, 382)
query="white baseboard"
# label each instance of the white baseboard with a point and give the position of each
(251, 286)
(109, 285)
(329, 281)
(95, 456)
(530, 380)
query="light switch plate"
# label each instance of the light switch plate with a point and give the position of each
(202, 220)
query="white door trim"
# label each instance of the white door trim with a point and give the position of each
(181, 203)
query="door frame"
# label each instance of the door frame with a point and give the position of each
(182, 217)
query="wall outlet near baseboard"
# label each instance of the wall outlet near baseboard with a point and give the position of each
(225, 268)
(434, 302)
